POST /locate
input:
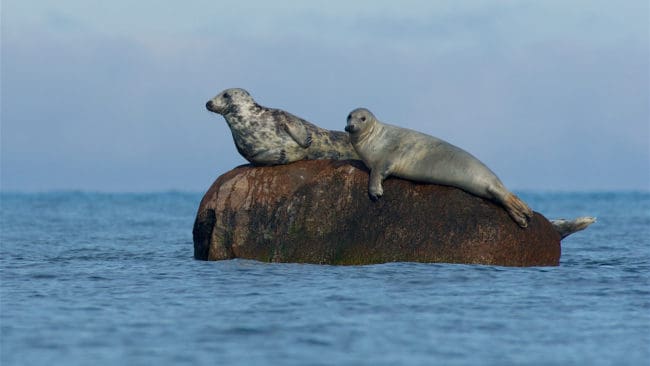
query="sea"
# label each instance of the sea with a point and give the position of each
(110, 279)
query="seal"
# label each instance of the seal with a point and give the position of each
(268, 136)
(391, 150)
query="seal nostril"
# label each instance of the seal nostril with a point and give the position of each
(208, 105)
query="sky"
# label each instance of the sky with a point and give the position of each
(110, 95)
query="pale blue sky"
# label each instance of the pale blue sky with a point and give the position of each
(109, 96)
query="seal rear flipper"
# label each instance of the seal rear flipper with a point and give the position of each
(514, 206)
(272, 157)
(568, 227)
(518, 210)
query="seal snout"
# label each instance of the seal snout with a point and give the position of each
(351, 128)
(208, 105)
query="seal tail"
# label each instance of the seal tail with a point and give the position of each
(568, 227)
(518, 210)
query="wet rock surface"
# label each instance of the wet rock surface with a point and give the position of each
(319, 212)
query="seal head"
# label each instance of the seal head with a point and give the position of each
(228, 101)
(359, 120)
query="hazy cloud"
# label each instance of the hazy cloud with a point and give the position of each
(550, 95)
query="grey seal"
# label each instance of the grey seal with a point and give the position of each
(391, 150)
(269, 136)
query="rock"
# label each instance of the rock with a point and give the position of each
(319, 212)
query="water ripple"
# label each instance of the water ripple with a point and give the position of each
(110, 278)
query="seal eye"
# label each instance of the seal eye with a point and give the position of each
(226, 95)
(363, 119)
(349, 116)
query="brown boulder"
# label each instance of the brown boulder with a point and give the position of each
(319, 212)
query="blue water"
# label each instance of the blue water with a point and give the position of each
(109, 279)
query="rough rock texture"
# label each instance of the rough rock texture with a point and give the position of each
(319, 212)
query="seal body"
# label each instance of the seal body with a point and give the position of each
(390, 150)
(268, 136)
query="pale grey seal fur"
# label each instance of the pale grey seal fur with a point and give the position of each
(268, 136)
(391, 150)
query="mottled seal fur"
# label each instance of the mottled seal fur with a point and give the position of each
(391, 150)
(268, 136)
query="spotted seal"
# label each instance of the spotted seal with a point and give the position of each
(269, 136)
(391, 150)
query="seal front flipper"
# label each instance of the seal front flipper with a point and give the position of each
(375, 189)
(377, 176)
(298, 132)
